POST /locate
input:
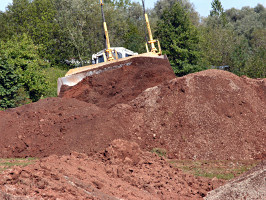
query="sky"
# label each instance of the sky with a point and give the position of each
(201, 6)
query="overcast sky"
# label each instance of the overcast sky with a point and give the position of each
(202, 6)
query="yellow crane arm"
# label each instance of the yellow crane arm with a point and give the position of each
(107, 41)
(151, 40)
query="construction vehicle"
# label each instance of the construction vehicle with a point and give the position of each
(117, 53)
(111, 57)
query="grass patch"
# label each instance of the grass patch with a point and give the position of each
(159, 151)
(52, 74)
(7, 163)
(221, 169)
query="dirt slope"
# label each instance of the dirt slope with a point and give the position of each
(212, 114)
(122, 171)
(121, 85)
(250, 185)
(207, 115)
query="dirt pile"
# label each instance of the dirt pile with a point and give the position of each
(122, 171)
(212, 114)
(250, 185)
(207, 115)
(50, 126)
(123, 84)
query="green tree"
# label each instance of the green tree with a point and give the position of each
(79, 22)
(9, 84)
(217, 45)
(217, 13)
(239, 56)
(22, 55)
(134, 37)
(179, 40)
(255, 66)
(161, 5)
(217, 8)
(36, 18)
(43, 28)
(5, 32)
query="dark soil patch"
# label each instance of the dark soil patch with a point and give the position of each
(121, 85)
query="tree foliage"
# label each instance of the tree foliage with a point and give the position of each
(217, 8)
(238, 43)
(217, 15)
(179, 39)
(9, 84)
(162, 5)
(22, 58)
(38, 38)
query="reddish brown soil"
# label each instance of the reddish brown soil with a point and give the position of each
(212, 114)
(122, 171)
(121, 85)
(207, 115)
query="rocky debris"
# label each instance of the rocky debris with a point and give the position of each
(250, 185)
(122, 171)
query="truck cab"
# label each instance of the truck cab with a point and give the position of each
(117, 52)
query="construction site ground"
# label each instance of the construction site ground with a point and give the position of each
(95, 141)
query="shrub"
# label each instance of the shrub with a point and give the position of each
(21, 70)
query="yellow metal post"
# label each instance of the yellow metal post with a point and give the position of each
(108, 50)
(151, 41)
(147, 48)
(108, 47)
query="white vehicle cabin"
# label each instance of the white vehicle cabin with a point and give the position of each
(118, 52)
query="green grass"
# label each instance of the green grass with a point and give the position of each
(7, 163)
(221, 169)
(52, 74)
(159, 151)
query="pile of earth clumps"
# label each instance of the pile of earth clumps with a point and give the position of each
(211, 114)
(121, 85)
(250, 185)
(122, 171)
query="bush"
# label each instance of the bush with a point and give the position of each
(52, 74)
(21, 72)
(9, 84)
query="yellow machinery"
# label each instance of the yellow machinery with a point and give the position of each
(107, 41)
(111, 61)
(151, 41)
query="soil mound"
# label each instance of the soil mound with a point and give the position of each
(207, 115)
(123, 84)
(250, 185)
(50, 126)
(212, 114)
(112, 175)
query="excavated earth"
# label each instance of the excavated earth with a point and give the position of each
(122, 171)
(212, 114)
(121, 85)
(209, 115)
